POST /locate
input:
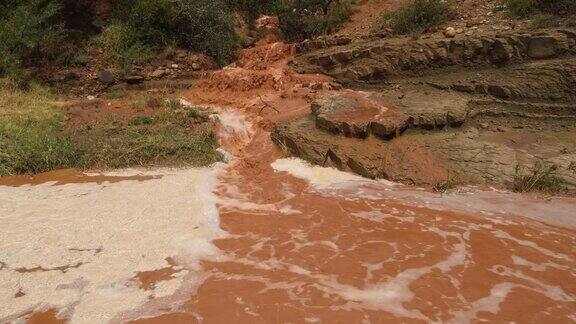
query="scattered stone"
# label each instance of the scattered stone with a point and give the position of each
(196, 66)
(70, 76)
(181, 54)
(134, 79)
(158, 73)
(473, 22)
(90, 98)
(267, 22)
(336, 86)
(174, 66)
(450, 32)
(316, 86)
(483, 126)
(106, 77)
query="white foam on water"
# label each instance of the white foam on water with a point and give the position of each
(539, 267)
(390, 295)
(491, 204)
(234, 123)
(318, 177)
(490, 303)
(504, 235)
(105, 233)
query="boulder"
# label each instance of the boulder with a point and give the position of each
(542, 47)
(158, 73)
(450, 32)
(106, 77)
(134, 79)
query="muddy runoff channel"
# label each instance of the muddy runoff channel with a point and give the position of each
(265, 238)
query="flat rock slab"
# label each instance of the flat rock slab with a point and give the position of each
(358, 114)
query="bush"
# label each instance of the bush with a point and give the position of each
(542, 177)
(416, 16)
(142, 28)
(27, 29)
(301, 19)
(252, 9)
(526, 7)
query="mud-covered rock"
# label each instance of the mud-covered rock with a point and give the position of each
(541, 47)
(358, 115)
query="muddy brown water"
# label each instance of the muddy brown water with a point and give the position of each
(312, 245)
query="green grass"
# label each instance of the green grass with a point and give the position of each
(34, 137)
(141, 120)
(175, 136)
(416, 16)
(115, 95)
(541, 177)
(31, 133)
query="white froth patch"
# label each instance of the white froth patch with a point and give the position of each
(105, 233)
(234, 123)
(490, 303)
(319, 177)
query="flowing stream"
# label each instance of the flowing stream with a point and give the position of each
(269, 239)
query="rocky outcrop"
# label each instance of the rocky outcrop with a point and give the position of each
(358, 115)
(379, 59)
(463, 126)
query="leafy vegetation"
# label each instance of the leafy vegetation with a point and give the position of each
(31, 132)
(173, 136)
(27, 31)
(526, 7)
(416, 16)
(34, 136)
(142, 28)
(542, 177)
(544, 21)
(301, 19)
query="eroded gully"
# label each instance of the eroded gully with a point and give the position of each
(294, 243)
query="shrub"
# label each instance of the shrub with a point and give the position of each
(416, 16)
(541, 177)
(526, 7)
(142, 28)
(301, 19)
(27, 28)
(252, 9)
(544, 21)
